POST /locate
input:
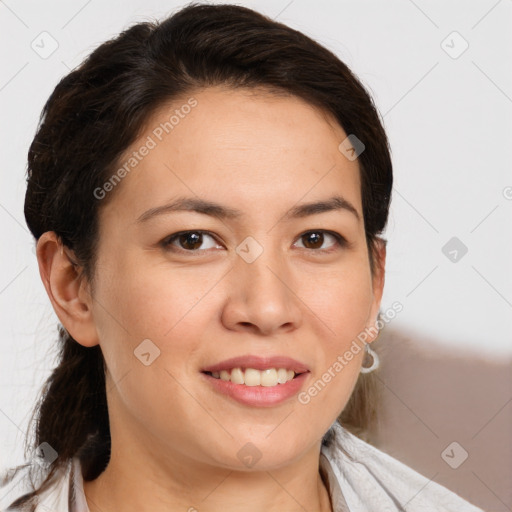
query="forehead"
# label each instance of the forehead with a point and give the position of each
(249, 148)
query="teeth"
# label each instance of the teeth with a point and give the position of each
(253, 377)
(237, 376)
(269, 377)
(282, 375)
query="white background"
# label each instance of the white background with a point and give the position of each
(449, 123)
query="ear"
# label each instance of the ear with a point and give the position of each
(67, 288)
(378, 279)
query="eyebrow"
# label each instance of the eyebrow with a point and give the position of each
(191, 204)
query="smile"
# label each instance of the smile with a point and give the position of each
(253, 377)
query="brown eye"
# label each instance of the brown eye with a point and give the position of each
(314, 240)
(188, 241)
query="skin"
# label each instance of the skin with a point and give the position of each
(174, 439)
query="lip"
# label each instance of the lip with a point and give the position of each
(259, 363)
(257, 396)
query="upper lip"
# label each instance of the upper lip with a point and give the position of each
(258, 363)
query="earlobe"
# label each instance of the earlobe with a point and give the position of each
(65, 287)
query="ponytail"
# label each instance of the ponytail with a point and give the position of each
(71, 418)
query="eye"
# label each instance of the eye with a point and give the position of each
(192, 241)
(317, 239)
(188, 241)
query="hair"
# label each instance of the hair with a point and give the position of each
(100, 108)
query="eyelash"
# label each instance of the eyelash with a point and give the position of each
(166, 242)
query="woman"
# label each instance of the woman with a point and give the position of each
(207, 196)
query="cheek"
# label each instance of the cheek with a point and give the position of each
(133, 305)
(344, 306)
(343, 300)
(149, 300)
(138, 301)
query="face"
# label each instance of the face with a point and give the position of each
(255, 278)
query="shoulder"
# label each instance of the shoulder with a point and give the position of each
(370, 477)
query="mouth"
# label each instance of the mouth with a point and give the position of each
(257, 381)
(268, 377)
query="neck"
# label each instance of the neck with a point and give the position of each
(133, 481)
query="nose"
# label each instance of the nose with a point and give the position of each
(262, 296)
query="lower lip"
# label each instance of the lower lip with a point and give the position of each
(258, 396)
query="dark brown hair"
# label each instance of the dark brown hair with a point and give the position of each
(101, 107)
